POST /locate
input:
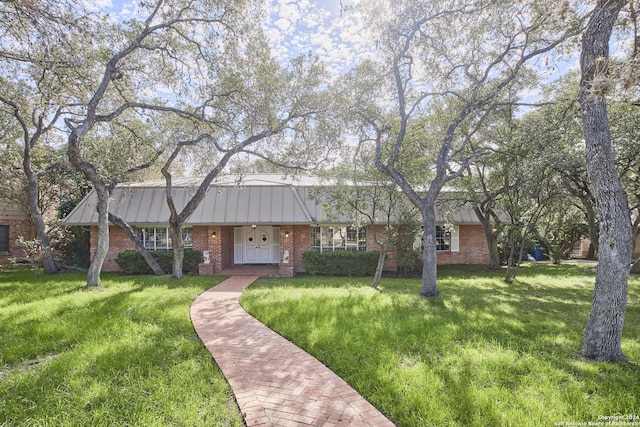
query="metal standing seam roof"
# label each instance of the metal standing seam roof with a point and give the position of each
(260, 199)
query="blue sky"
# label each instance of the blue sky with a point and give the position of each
(293, 26)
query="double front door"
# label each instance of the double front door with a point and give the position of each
(260, 245)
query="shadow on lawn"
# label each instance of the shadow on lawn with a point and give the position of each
(62, 321)
(480, 338)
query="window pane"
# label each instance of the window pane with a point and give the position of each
(327, 239)
(187, 238)
(4, 238)
(443, 239)
(161, 238)
(315, 239)
(339, 238)
(362, 239)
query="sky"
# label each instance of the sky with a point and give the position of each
(321, 27)
(293, 26)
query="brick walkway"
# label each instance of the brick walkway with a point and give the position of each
(274, 382)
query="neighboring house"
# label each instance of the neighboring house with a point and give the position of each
(581, 248)
(264, 219)
(14, 222)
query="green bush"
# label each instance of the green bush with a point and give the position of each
(341, 263)
(132, 262)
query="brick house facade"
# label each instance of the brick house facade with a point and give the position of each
(266, 221)
(473, 248)
(14, 222)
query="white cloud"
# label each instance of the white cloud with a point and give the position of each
(315, 26)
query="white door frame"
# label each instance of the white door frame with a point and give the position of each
(259, 245)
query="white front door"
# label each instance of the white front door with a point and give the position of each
(257, 245)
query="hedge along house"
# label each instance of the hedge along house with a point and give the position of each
(258, 219)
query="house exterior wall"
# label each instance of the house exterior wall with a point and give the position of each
(473, 247)
(390, 263)
(581, 248)
(118, 242)
(302, 243)
(20, 224)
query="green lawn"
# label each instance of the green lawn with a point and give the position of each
(484, 353)
(126, 354)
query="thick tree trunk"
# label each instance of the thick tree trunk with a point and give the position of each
(175, 231)
(102, 192)
(429, 258)
(93, 274)
(151, 261)
(48, 262)
(603, 332)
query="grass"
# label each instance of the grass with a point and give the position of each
(484, 353)
(126, 354)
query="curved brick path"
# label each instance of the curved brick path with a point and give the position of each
(274, 382)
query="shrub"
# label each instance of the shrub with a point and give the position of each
(341, 263)
(132, 262)
(72, 245)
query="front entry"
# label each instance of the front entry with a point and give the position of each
(260, 245)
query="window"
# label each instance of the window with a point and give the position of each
(446, 239)
(338, 238)
(4, 238)
(443, 239)
(157, 238)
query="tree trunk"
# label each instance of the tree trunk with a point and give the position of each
(512, 245)
(635, 268)
(175, 231)
(635, 227)
(151, 261)
(603, 332)
(383, 255)
(48, 262)
(93, 275)
(491, 239)
(429, 258)
(591, 252)
(102, 192)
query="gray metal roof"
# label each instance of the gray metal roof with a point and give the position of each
(256, 199)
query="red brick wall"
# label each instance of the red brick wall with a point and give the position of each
(118, 242)
(473, 248)
(226, 246)
(17, 227)
(201, 236)
(390, 263)
(302, 243)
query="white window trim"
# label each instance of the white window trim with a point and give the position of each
(454, 240)
(361, 245)
(152, 229)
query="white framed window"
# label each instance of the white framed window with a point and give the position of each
(338, 238)
(447, 239)
(157, 238)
